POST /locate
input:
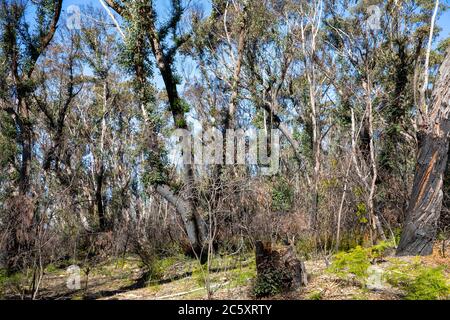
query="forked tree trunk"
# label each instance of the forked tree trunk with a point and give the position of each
(425, 202)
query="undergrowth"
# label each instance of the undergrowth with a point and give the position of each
(419, 282)
(416, 281)
(357, 260)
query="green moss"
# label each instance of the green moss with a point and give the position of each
(154, 288)
(199, 274)
(160, 266)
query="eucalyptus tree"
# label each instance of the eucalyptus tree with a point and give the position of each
(21, 46)
(163, 39)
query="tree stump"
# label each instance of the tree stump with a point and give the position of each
(277, 270)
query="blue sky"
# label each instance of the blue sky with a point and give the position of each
(163, 5)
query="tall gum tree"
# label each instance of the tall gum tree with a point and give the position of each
(164, 51)
(425, 201)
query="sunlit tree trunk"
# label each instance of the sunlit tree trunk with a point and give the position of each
(425, 201)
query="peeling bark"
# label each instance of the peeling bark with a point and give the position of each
(425, 203)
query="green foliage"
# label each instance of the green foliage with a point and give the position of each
(357, 260)
(306, 143)
(419, 282)
(156, 170)
(51, 268)
(282, 195)
(430, 284)
(11, 282)
(358, 191)
(258, 119)
(182, 105)
(199, 273)
(317, 295)
(180, 123)
(268, 284)
(361, 212)
(8, 148)
(328, 184)
(305, 246)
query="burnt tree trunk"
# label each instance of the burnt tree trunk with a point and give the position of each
(425, 202)
(277, 270)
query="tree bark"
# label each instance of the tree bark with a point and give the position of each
(425, 201)
(280, 269)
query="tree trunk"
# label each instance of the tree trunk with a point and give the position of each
(425, 202)
(277, 270)
(25, 165)
(195, 226)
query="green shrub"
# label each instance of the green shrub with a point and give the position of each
(282, 195)
(51, 268)
(318, 295)
(430, 284)
(268, 284)
(357, 260)
(305, 247)
(419, 282)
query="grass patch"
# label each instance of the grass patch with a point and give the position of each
(241, 277)
(317, 295)
(13, 283)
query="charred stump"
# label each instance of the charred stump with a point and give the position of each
(278, 270)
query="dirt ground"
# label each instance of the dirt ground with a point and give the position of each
(118, 280)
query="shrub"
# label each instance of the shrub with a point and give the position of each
(419, 282)
(317, 295)
(282, 196)
(430, 284)
(357, 260)
(268, 284)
